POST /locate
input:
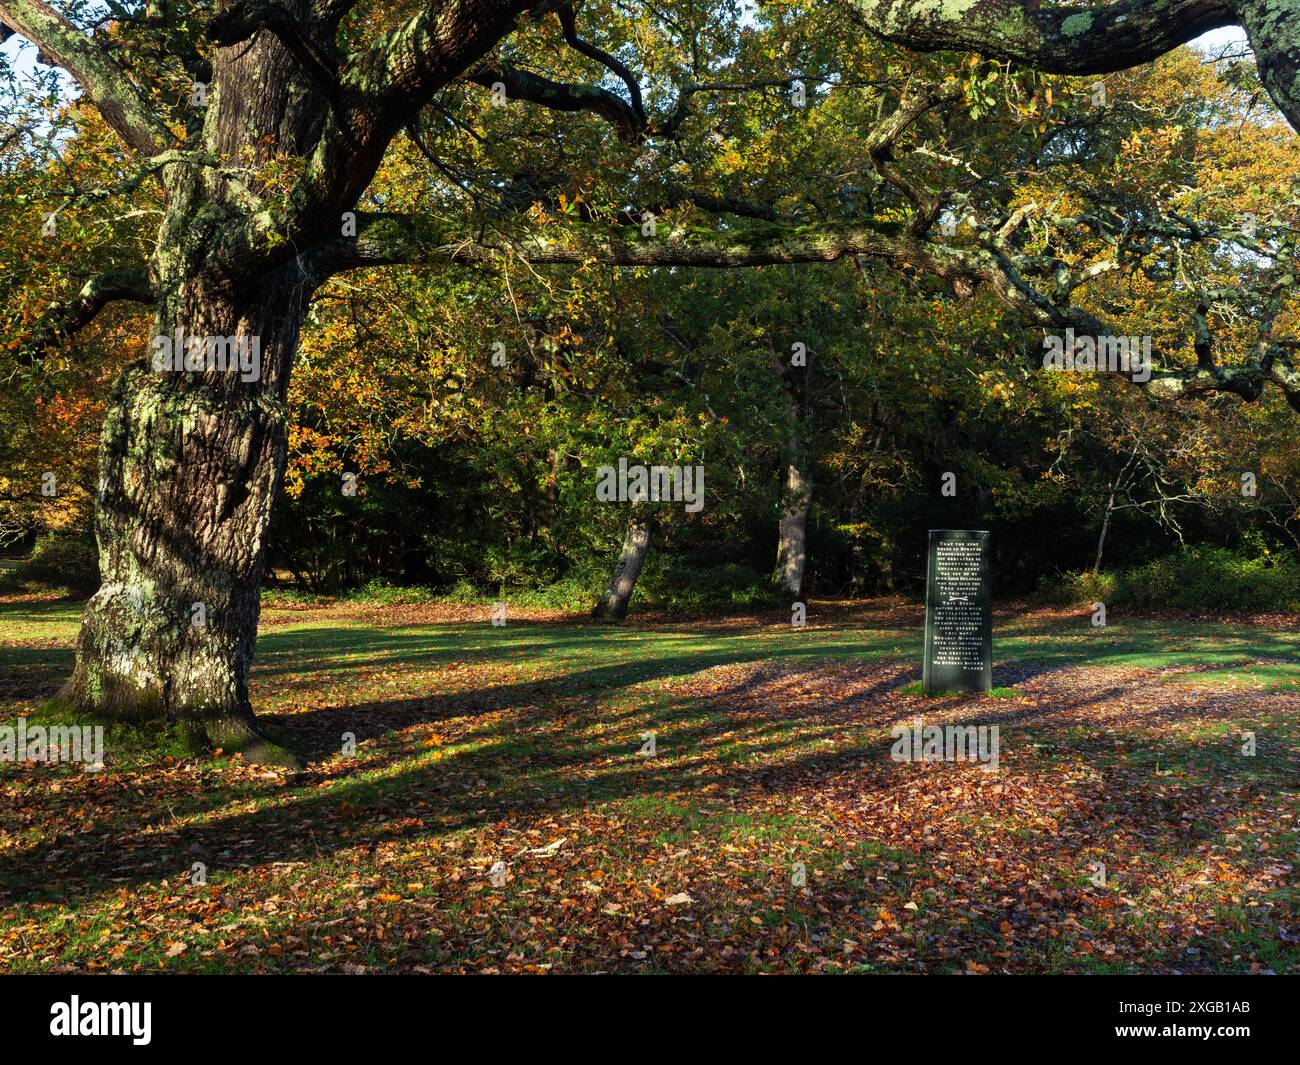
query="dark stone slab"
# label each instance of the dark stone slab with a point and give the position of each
(958, 612)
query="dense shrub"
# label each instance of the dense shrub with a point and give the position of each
(1197, 578)
(668, 584)
(379, 590)
(62, 560)
(575, 592)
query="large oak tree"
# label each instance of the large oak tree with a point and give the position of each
(261, 186)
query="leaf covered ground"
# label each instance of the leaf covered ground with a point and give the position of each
(1120, 748)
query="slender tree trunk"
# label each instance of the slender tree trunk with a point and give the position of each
(1120, 481)
(1105, 526)
(886, 549)
(190, 465)
(622, 582)
(791, 551)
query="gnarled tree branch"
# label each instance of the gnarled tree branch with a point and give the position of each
(560, 96)
(568, 25)
(102, 80)
(390, 238)
(381, 88)
(1098, 39)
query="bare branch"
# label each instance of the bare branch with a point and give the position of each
(883, 138)
(568, 25)
(671, 126)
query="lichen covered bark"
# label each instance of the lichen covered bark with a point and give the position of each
(1095, 39)
(1273, 27)
(191, 460)
(190, 466)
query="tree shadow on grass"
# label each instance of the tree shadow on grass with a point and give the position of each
(1051, 897)
(532, 750)
(809, 715)
(318, 733)
(32, 674)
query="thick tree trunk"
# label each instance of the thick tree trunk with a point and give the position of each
(191, 461)
(622, 582)
(791, 551)
(190, 465)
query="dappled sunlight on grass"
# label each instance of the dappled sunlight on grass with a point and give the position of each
(772, 757)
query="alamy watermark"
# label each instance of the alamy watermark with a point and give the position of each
(78, 1018)
(53, 743)
(920, 742)
(1107, 354)
(180, 353)
(637, 484)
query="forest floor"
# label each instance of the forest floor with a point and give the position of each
(1125, 829)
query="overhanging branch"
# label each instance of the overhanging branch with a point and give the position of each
(103, 81)
(560, 96)
(568, 25)
(1098, 39)
(392, 239)
(389, 239)
(64, 319)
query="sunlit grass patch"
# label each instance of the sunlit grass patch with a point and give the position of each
(769, 831)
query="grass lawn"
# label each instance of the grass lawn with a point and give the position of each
(1120, 748)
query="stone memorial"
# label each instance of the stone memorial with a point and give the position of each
(958, 613)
